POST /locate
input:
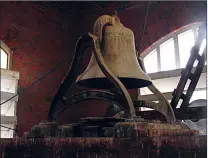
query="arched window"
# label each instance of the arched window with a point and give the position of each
(9, 83)
(172, 51)
(165, 59)
(6, 54)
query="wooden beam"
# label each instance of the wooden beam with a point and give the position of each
(7, 95)
(194, 113)
(152, 97)
(10, 74)
(172, 73)
(167, 95)
(8, 119)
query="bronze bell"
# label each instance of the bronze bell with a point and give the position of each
(118, 50)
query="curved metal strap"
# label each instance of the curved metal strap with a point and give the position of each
(88, 95)
(112, 98)
(72, 73)
(163, 105)
(128, 105)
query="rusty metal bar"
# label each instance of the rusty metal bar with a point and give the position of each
(178, 92)
(72, 73)
(128, 105)
(194, 81)
(85, 41)
(193, 113)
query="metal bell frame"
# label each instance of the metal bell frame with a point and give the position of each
(120, 97)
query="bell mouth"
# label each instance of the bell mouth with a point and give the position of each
(104, 83)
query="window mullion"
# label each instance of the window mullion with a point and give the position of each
(158, 58)
(195, 33)
(177, 55)
(139, 94)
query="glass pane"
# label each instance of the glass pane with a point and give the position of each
(150, 62)
(4, 58)
(166, 84)
(195, 63)
(5, 132)
(145, 91)
(202, 47)
(163, 85)
(169, 84)
(186, 42)
(200, 94)
(148, 109)
(167, 55)
(197, 31)
(8, 85)
(204, 43)
(8, 108)
(179, 103)
(202, 83)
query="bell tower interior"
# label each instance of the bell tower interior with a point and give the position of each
(103, 78)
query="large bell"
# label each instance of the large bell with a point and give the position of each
(118, 50)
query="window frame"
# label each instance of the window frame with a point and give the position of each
(7, 73)
(169, 73)
(5, 118)
(174, 35)
(9, 53)
(161, 54)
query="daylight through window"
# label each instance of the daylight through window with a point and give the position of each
(174, 51)
(166, 58)
(4, 59)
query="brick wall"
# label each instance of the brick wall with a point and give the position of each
(40, 39)
(37, 36)
(163, 18)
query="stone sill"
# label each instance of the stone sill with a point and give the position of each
(10, 74)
